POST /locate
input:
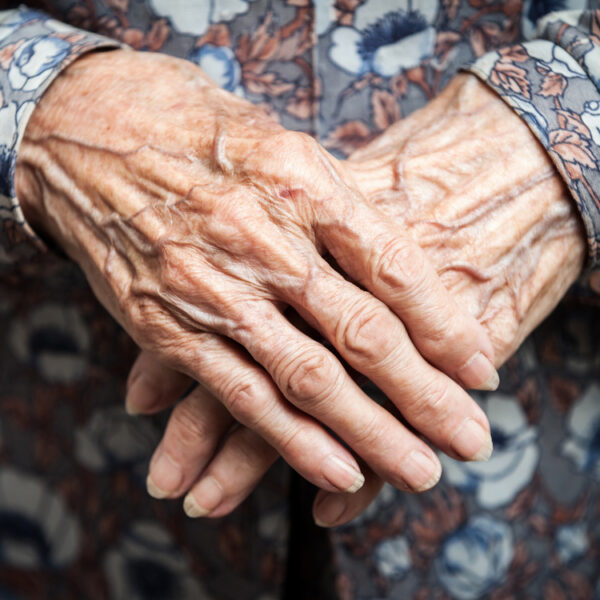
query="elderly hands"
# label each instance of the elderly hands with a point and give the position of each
(468, 180)
(197, 221)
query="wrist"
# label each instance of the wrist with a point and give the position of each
(58, 100)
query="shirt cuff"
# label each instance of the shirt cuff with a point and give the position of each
(34, 49)
(553, 94)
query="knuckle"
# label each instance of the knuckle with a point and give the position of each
(309, 376)
(431, 403)
(139, 310)
(293, 443)
(370, 434)
(294, 142)
(400, 265)
(446, 334)
(449, 342)
(286, 147)
(362, 333)
(244, 399)
(191, 429)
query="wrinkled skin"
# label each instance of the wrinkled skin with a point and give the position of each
(469, 181)
(197, 220)
(467, 178)
(478, 192)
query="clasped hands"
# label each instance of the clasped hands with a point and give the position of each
(421, 262)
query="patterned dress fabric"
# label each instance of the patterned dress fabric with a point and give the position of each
(75, 519)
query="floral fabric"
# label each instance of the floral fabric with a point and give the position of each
(553, 83)
(75, 521)
(34, 49)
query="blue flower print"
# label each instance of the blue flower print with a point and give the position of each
(14, 19)
(514, 460)
(474, 560)
(35, 61)
(54, 340)
(36, 529)
(583, 423)
(387, 37)
(591, 117)
(534, 10)
(220, 64)
(324, 15)
(8, 128)
(555, 58)
(392, 557)
(112, 440)
(6, 168)
(571, 542)
(10, 117)
(148, 564)
(196, 17)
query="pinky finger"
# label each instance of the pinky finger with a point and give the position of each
(152, 387)
(333, 509)
(231, 475)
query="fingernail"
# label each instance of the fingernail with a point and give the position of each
(342, 475)
(137, 394)
(472, 441)
(165, 476)
(155, 491)
(191, 508)
(330, 510)
(421, 472)
(205, 497)
(478, 373)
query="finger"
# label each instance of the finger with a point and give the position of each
(193, 433)
(252, 398)
(312, 379)
(151, 386)
(232, 474)
(375, 342)
(331, 509)
(376, 254)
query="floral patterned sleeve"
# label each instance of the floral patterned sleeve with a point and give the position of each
(33, 50)
(553, 82)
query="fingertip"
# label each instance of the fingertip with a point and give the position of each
(491, 383)
(165, 476)
(326, 515)
(204, 498)
(343, 475)
(479, 373)
(472, 441)
(141, 396)
(131, 407)
(192, 509)
(154, 491)
(421, 471)
(135, 371)
(329, 509)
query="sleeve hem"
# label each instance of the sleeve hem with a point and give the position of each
(548, 89)
(35, 49)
